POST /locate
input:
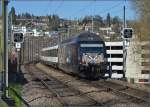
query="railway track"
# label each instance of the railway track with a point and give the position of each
(36, 94)
(65, 94)
(122, 91)
(128, 93)
(136, 95)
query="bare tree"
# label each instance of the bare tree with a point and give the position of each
(142, 7)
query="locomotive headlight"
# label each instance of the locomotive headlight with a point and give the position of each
(89, 57)
(84, 59)
(108, 67)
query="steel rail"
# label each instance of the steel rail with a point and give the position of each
(97, 103)
(81, 93)
(114, 87)
(55, 93)
(49, 88)
(120, 90)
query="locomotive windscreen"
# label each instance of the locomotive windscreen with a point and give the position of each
(93, 48)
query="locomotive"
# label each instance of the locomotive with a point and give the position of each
(83, 54)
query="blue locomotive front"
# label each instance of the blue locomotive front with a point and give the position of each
(93, 62)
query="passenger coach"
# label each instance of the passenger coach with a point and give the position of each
(49, 55)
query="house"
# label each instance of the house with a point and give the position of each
(106, 31)
(37, 32)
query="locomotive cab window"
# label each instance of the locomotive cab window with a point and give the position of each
(91, 48)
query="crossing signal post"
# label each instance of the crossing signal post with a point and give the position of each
(127, 34)
(18, 38)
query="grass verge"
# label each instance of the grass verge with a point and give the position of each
(17, 88)
(3, 104)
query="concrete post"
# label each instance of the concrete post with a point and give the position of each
(5, 34)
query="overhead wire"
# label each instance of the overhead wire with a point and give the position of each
(111, 8)
(59, 6)
(87, 6)
(101, 12)
(48, 5)
(82, 9)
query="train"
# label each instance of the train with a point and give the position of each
(83, 55)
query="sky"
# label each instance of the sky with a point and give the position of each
(74, 9)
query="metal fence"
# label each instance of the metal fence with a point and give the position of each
(31, 48)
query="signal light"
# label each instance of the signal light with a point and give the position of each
(18, 37)
(127, 33)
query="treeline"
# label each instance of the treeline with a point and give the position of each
(101, 21)
(114, 22)
(54, 22)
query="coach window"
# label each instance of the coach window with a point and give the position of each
(43, 53)
(50, 53)
(54, 52)
(47, 53)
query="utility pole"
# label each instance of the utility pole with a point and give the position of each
(68, 32)
(92, 24)
(5, 35)
(18, 60)
(124, 42)
(124, 17)
(11, 28)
